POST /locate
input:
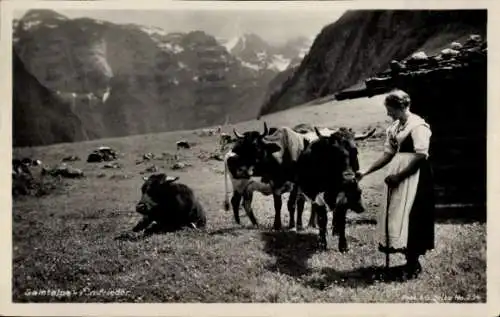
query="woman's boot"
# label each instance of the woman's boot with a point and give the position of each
(413, 266)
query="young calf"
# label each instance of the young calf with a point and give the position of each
(169, 204)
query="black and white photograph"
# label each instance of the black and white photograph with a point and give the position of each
(323, 153)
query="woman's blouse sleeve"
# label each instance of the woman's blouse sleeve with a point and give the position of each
(389, 146)
(421, 136)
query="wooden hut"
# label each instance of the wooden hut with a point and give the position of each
(450, 92)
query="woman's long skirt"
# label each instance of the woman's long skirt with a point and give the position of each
(409, 227)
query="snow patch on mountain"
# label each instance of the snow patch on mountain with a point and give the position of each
(172, 48)
(255, 53)
(262, 55)
(32, 15)
(279, 63)
(303, 52)
(229, 45)
(30, 24)
(243, 41)
(250, 65)
(153, 30)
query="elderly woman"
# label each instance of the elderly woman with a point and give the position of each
(409, 226)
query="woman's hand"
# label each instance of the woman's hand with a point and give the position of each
(392, 180)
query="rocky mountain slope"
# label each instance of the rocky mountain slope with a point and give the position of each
(362, 43)
(126, 79)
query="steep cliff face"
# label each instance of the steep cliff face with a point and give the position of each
(39, 117)
(64, 55)
(362, 43)
(127, 79)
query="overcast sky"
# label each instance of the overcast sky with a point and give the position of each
(273, 26)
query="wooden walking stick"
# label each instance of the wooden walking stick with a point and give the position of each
(387, 254)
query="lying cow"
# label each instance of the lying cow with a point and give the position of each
(322, 170)
(171, 205)
(22, 178)
(102, 154)
(24, 165)
(183, 144)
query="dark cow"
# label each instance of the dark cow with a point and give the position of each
(19, 167)
(237, 164)
(102, 154)
(22, 178)
(24, 165)
(171, 205)
(242, 165)
(323, 171)
(326, 175)
(183, 144)
(244, 184)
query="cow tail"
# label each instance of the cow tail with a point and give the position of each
(226, 194)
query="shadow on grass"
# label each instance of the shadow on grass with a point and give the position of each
(155, 230)
(292, 251)
(360, 277)
(361, 221)
(130, 237)
(234, 231)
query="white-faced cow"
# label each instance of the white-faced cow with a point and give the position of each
(169, 204)
(322, 171)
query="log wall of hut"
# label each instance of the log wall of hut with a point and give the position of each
(454, 101)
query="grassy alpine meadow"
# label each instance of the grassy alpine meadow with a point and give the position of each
(65, 245)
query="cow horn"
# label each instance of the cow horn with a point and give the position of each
(364, 136)
(145, 178)
(266, 130)
(171, 179)
(317, 132)
(333, 131)
(238, 135)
